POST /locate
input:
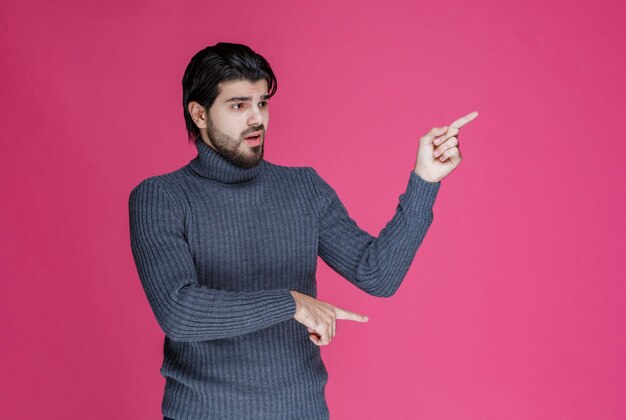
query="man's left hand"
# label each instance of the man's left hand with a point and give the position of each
(438, 152)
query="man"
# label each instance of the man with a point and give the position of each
(226, 250)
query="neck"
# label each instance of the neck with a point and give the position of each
(212, 165)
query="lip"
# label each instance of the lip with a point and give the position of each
(256, 133)
(254, 143)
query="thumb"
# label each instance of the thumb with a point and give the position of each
(428, 138)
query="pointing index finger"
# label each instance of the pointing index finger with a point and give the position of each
(464, 120)
(352, 316)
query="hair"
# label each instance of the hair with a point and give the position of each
(218, 63)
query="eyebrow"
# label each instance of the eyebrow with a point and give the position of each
(244, 98)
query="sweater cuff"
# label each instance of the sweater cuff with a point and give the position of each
(287, 305)
(420, 194)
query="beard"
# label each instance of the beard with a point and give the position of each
(229, 148)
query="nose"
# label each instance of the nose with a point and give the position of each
(256, 116)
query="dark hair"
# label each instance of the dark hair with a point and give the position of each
(219, 63)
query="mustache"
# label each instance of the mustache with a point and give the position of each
(252, 130)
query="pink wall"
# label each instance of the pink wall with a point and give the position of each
(514, 307)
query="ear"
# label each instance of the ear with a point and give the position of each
(198, 114)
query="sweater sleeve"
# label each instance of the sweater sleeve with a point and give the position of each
(376, 265)
(185, 309)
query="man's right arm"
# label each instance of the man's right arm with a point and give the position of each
(185, 309)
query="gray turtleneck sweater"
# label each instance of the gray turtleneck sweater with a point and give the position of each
(218, 249)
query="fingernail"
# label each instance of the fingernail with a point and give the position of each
(366, 318)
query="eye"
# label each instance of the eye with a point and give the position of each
(238, 105)
(263, 104)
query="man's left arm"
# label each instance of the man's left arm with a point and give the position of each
(377, 265)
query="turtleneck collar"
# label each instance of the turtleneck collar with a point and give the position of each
(210, 164)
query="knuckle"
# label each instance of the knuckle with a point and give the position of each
(317, 322)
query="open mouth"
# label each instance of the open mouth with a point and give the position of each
(254, 139)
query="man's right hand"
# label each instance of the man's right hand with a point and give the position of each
(320, 318)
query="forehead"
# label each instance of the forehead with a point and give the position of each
(233, 88)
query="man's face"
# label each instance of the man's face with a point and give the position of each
(240, 110)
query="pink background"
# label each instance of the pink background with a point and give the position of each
(515, 305)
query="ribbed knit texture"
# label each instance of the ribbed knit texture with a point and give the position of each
(218, 249)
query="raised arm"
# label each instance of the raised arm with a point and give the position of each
(376, 265)
(184, 309)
